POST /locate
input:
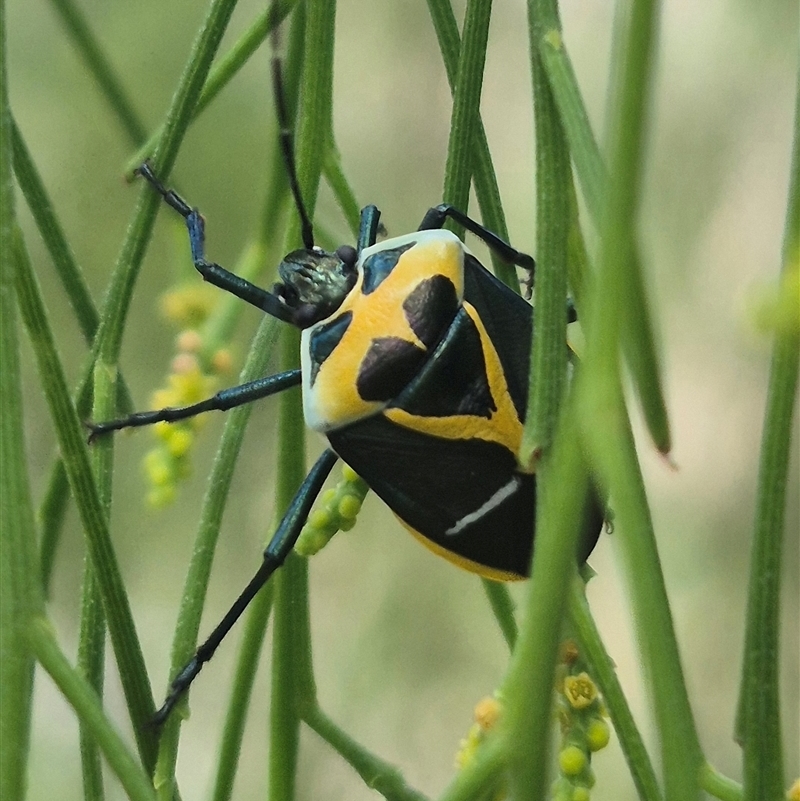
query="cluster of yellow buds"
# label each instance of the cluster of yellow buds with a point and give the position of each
(336, 511)
(194, 375)
(584, 728)
(486, 714)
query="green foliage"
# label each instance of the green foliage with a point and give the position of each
(575, 430)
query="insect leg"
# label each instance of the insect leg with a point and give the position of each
(275, 553)
(222, 401)
(212, 272)
(436, 217)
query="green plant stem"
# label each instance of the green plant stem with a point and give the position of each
(758, 725)
(100, 69)
(503, 609)
(639, 341)
(603, 670)
(221, 75)
(67, 268)
(466, 99)
(54, 503)
(87, 705)
(528, 688)
(292, 675)
(91, 643)
(108, 342)
(478, 162)
(178, 118)
(291, 647)
(481, 775)
(486, 189)
(72, 445)
(196, 584)
(57, 246)
(718, 785)
(342, 191)
(605, 421)
(244, 677)
(220, 324)
(53, 507)
(579, 272)
(18, 574)
(553, 178)
(91, 653)
(377, 774)
(20, 596)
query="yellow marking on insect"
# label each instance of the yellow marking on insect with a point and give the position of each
(461, 561)
(334, 399)
(504, 428)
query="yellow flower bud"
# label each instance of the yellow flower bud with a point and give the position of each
(598, 734)
(571, 760)
(580, 690)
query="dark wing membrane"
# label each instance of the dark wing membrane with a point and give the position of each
(437, 485)
(508, 318)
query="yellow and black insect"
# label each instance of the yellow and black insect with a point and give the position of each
(415, 367)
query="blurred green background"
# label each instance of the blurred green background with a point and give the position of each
(404, 643)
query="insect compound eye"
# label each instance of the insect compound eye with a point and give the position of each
(348, 256)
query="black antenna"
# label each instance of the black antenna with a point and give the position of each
(287, 147)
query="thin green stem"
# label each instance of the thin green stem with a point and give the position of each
(583, 146)
(67, 268)
(91, 643)
(100, 69)
(196, 584)
(604, 671)
(606, 424)
(72, 444)
(54, 503)
(639, 340)
(758, 723)
(91, 653)
(466, 102)
(179, 116)
(244, 676)
(553, 178)
(221, 75)
(482, 774)
(292, 675)
(719, 786)
(53, 507)
(468, 153)
(20, 596)
(486, 189)
(342, 191)
(291, 647)
(85, 702)
(53, 235)
(377, 774)
(503, 609)
(528, 689)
